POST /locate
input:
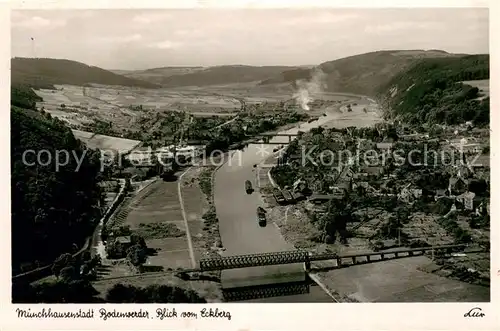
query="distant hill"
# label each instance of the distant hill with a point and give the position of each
(44, 73)
(432, 90)
(199, 76)
(156, 75)
(361, 74)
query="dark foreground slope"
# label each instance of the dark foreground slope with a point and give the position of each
(361, 74)
(431, 91)
(44, 73)
(52, 209)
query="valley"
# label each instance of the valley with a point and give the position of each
(165, 225)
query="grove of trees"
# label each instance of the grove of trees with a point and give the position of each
(54, 208)
(432, 92)
(155, 293)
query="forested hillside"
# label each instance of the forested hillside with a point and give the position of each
(52, 209)
(431, 91)
(363, 73)
(45, 73)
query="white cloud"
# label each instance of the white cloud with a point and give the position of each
(396, 26)
(150, 18)
(322, 18)
(134, 37)
(333, 18)
(118, 39)
(141, 38)
(166, 44)
(37, 22)
(185, 32)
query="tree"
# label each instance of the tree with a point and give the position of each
(155, 293)
(114, 250)
(73, 291)
(63, 261)
(121, 293)
(392, 133)
(137, 256)
(334, 221)
(478, 186)
(123, 230)
(51, 210)
(136, 239)
(85, 256)
(68, 274)
(95, 261)
(402, 215)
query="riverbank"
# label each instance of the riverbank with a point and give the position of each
(197, 187)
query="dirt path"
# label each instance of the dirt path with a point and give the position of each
(183, 211)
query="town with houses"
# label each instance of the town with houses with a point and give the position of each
(449, 194)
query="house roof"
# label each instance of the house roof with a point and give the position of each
(107, 184)
(133, 171)
(384, 145)
(467, 195)
(453, 180)
(372, 170)
(414, 136)
(123, 240)
(481, 161)
(343, 185)
(325, 196)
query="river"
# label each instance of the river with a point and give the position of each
(236, 210)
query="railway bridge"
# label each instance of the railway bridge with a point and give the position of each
(300, 256)
(268, 136)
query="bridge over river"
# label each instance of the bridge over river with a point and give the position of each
(300, 285)
(300, 256)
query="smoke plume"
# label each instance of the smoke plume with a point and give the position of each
(308, 90)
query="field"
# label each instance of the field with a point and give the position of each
(161, 205)
(416, 279)
(357, 117)
(401, 281)
(104, 142)
(483, 86)
(126, 107)
(196, 205)
(155, 214)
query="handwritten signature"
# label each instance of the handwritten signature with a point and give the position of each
(474, 312)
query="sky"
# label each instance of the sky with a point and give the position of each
(140, 39)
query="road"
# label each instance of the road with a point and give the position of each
(225, 123)
(236, 210)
